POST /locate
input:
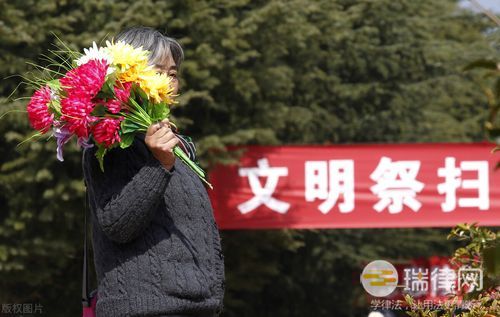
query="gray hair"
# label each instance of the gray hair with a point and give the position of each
(160, 46)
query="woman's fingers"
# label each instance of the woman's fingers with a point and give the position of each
(165, 122)
(166, 137)
(170, 144)
(161, 132)
(153, 129)
(161, 141)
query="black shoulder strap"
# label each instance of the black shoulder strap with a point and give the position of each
(85, 278)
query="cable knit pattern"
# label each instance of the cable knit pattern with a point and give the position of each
(157, 249)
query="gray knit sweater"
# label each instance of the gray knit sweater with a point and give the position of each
(156, 244)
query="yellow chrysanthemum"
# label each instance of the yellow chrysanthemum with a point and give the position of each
(157, 86)
(130, 61)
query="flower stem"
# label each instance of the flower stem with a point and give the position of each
(201, 174)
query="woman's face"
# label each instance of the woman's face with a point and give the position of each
(169, 68)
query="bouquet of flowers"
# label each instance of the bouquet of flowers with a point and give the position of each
(107, 94)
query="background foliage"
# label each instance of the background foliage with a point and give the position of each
(256, 72)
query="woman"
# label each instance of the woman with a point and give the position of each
(156, 244)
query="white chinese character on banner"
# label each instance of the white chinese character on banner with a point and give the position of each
(396, 185)
(471, 278)
(263, 195)
(327, 181)
(452, 181)
(416, 280)
(443, 280)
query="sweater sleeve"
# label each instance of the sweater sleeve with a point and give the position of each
(125, 205)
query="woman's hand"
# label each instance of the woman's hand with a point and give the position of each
(161, 142)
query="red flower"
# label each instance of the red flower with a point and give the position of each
(113, 105)
(106, 131)
(122, 94)
(76, 112)
(38, 112)
(86, 80)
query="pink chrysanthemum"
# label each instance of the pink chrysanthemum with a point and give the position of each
(38, 111)
(76, 112)
(122, 94)
(113, 105)
(106, 131)
(85, 81)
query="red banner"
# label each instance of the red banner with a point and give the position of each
(358, 186)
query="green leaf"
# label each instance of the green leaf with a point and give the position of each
(54, 84)
(108, 88)
(142, 95)
(159, 111)
(55, 106)
(128, 126)
(140, 124)
(102, 95)
(99, 154)
(99, 110)
(127, 140)
(139, 112)
(132, 93)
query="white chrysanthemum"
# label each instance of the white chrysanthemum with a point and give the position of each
(96, 53)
